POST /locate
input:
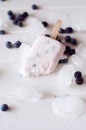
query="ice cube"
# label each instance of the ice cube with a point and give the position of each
(65, 77)
(79, 62)
(70, 106)
(81, 50)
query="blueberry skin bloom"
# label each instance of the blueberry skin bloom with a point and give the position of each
(4, 107)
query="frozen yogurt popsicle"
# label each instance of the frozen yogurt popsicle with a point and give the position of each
(43, 58)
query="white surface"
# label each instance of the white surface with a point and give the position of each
(44, 3)
(37, 115)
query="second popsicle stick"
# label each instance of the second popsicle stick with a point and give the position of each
(56, 29)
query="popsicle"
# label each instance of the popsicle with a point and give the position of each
(44, 56)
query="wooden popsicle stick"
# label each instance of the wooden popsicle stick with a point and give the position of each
(56, 29)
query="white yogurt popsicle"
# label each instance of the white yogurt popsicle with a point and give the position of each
(43, 58)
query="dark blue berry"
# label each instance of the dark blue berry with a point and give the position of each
(15, 22)
(45, 24)
(73, 41)
(25, 14)
(34, 6)
(17, 44)
(20, 17)
(67, 39)
(3, 0)
(9, 44)
(67, 50)
(47, 35)
(79, 81)
(2, 32)
(62, 61)
(68, 30)
(77, 74)
(20, 24)
(12, 17)
(4, 107)
(61, 30)
(72, 52)
(10, 13)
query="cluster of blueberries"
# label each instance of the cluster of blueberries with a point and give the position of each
(67, 30)
(79, 78)
(9, 44)
(68, 50)
(17, 19)
(68, 39)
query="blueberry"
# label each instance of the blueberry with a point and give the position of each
(25, 14)
(67, 50)
(61, 30)
(3, 0)
(20, 17)
(67, 39)
(68, 30)
(73, 41)
(15, 22)
(2, 32)
(62, 61)
(34, 65)
(4, 107)
(10, 13)
(72, 52)
(9, 44)
(20, 24)
(79, 81)
(12, 17)
(45, 24)
(17, 44)
(47, 35)
(77, 74)
(34, 6)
